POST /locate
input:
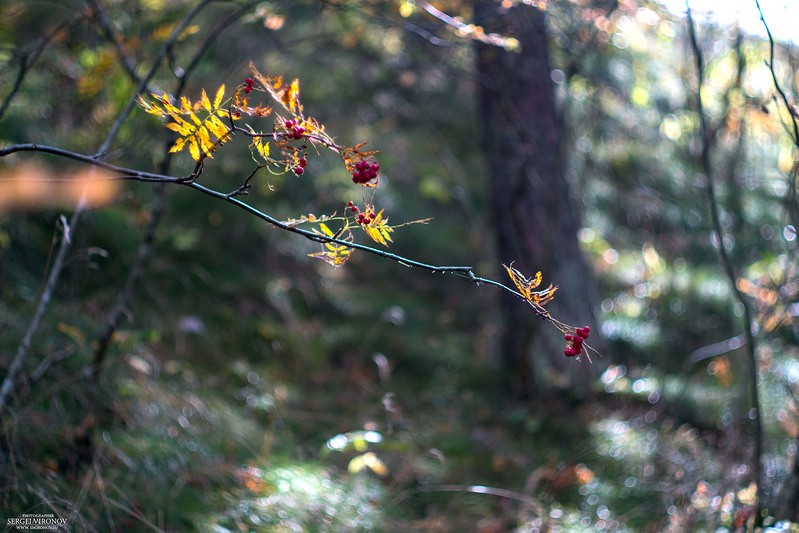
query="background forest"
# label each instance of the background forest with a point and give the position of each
(170, 362)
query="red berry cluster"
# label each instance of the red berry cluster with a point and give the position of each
(575, 342)
(299, 170)
(364, 172)
(248, 85)
(363, 218)
(295, 130)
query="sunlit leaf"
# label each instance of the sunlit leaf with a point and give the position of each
(194, 148)
(292, 98)
(206, 103)
(379, 230)
(332, 253)
(220, 93)
(202, 134)
(526, 287)
(178, 146)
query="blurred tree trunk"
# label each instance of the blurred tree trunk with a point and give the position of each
(534, 219)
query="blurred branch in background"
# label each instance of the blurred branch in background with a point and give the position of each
(787, 498)
(708, 135)
(81, 206)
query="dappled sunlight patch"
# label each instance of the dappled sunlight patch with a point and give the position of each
(300, 497)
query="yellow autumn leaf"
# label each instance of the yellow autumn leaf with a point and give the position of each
(203, 135)
(178, 146)
(178, 128)
(261, 147)
(220, 93)
(379, 230)
(292, 98)
(194, 149)
(205, 102)
(335, 258)
(526, 287)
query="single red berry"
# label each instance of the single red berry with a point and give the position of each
(372, 215)
(248, 89)
(350, 204)
(570, 352)
(249, 81)
(303, 162)
(289, 124)
(354, 208)
(568, 337)
(376, 167)
(299, 170)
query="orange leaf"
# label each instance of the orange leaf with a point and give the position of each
(526, 287)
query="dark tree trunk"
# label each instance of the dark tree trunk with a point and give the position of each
(534, 219)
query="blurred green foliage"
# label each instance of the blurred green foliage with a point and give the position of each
(241, 357)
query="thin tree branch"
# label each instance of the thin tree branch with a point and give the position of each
(122, 172)
(28, 59)
(58, 265)
(124, 296)
(791, 196)
(777, 85)
(47, 292)
(729, 267)
(102, 19)
(157, 211)
(466, 272)
(145, 80)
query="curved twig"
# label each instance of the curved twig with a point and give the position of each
(466, 272)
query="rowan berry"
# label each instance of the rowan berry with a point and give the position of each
(571, 351)
(303, 162)
(299, 171)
